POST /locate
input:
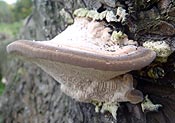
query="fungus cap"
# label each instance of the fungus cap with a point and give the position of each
(86, 44)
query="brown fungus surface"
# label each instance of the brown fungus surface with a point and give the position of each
(87, 63)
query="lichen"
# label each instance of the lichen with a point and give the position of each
(121, 39)
(156, 72)
(106, 107)
(93, 14)
(161, 48)
(102, 15)
(81, 12)
(147, 105)
(97, 105)
(110, 107)
(121, 14)
(110, 16)
(117, 35)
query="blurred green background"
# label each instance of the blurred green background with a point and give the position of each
(11, 20)
(11, 15)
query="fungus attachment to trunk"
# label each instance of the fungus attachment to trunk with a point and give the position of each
(88, 64)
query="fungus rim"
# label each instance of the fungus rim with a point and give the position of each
(109, 62)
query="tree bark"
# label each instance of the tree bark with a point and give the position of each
(32, 96)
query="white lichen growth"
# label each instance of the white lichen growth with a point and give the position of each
(110, 16)
(110, 107)
(93, 15)
(121, 14)
(102, 15)
(161, 48)
(121, 39)
(147, 105)
(117, 35)
(81, 12)
(106, 107)
(97, 106)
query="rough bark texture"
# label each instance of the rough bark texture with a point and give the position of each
(32, 96)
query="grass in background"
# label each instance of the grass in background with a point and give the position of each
(11, 29)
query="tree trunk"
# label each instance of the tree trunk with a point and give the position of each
(32, 96)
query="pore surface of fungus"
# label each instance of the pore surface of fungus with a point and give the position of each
(87, 63)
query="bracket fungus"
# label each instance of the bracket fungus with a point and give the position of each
(87, 63)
